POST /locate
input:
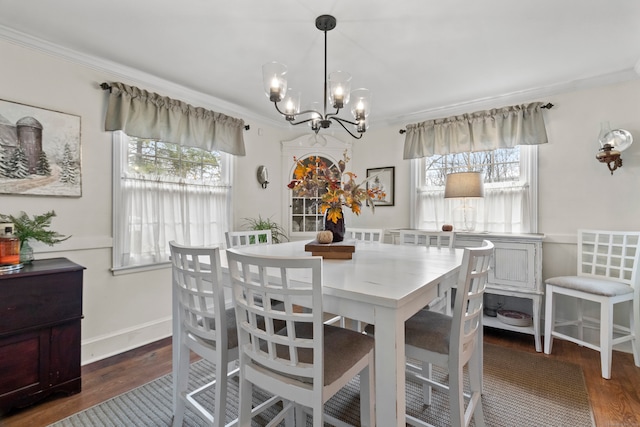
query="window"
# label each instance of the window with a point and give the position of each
(163, 192)
(302, 215)
(510, 179)
(305, 210)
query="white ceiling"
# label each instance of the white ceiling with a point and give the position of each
(416, 56)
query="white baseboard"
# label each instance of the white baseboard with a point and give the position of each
(108, 345)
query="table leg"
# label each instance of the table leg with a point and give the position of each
(390, 368)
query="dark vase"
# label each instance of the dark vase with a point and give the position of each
(337, 228)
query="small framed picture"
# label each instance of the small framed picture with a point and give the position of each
(384, 180)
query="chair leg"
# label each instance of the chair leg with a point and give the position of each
(606, 338)
(181, 381)
(290, 419)
(475, 385)
(367, 398)
(634, 323)
(549, 319)
(301, 416)
(219, 419)
(244, 407)
(318, 414)
(456, 397)
(427, 372)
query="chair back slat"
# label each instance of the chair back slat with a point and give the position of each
(364, 234)
(237, 239)
(199, 292)
(467, 310)
(609, 254)
(438, 239)
(268, 291)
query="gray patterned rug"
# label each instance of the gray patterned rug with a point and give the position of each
(520, 389)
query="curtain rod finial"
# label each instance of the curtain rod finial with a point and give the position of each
(402, 131)
(547, 105)
(105, 86)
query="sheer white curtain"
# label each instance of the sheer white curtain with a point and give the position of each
(503, 209)
(150, 212)
(159, 212)
(507, 207)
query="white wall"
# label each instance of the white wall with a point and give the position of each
(123, 311)
(126, 311)
(575, 190)
(113, 306)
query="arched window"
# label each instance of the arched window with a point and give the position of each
(305, 210)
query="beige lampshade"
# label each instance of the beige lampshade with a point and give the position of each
(464, 184)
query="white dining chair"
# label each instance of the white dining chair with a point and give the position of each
(206, 327)
(453, 341)
(607, 274)
(237, 239)
(438, 239)
(364, 234)
(305, 363)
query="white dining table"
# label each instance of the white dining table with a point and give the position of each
(383, 285)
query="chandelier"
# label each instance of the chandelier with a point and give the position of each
(337, 92)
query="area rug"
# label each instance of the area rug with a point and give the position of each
(520, 389)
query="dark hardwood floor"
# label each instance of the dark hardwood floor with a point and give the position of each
(615, 402)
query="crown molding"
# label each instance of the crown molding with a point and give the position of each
(528, 95)
(153, 82)
(120, 71)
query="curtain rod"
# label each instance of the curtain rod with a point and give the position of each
(107, 86)
(548, 106)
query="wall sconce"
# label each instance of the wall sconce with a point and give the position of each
(263, 176)
(612, 143)
(464, 185)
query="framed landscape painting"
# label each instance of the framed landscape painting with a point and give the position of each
(384, 178)
(39, 151)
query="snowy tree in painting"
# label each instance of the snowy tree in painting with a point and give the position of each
(4, 166)
(18, 164)
(43, 168)
(69, 172)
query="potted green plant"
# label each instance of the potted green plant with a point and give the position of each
(36, 228)
(278, 234)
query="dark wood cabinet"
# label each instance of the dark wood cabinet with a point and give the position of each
(40, 315)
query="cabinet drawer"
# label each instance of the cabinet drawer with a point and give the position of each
(32, 301)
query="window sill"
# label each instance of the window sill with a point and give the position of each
(140, 268)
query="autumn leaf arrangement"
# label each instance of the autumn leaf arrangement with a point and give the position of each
(333, 185)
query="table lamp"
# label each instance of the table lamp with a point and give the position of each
(464, 185)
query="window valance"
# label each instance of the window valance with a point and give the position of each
(144, 114)
(480, 131)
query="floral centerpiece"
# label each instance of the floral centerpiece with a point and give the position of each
(334, 186)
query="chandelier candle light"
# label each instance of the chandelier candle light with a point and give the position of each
(337, 91)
